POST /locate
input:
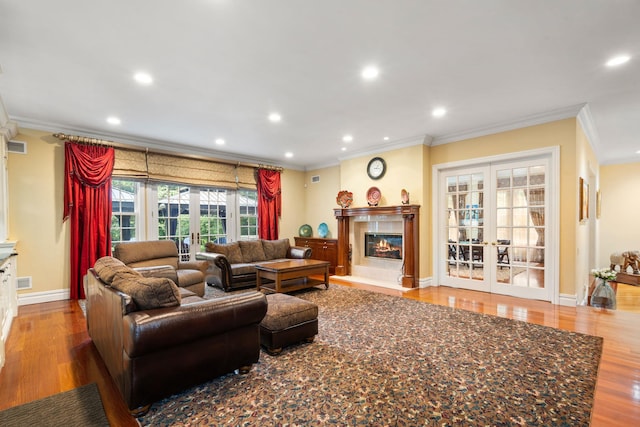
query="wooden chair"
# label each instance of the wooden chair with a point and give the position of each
(503, 252)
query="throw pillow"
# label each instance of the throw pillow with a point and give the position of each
(107, 267)
(229, 250)
(148, 292)
(275, 249)
(252, 250)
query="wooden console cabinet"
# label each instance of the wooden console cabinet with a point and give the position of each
(322, 249)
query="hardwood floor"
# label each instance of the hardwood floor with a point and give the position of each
(49, 350)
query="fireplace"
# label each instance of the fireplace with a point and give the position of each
(383, 245)
(400, 221)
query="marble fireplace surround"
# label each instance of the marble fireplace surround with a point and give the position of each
(354, 222)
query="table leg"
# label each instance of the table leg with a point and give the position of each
(278, 281)
(326, 277)
(258, 280)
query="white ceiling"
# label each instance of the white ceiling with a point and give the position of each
(221, 66)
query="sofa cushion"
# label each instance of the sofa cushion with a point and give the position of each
(252, 250)
(147, 253)
(107, 267)
(241, 269)
(148, 292)
(230, 250)
(190, 277)
(274, 249)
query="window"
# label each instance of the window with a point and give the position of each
(213, 216)
(124, 211)
(248, 208)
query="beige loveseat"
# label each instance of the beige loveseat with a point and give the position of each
(233, 265)
(161, 256)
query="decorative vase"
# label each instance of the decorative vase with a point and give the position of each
(603, 295)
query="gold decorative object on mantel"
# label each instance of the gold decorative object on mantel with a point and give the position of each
(404, 197)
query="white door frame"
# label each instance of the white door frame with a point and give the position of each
(552, 273)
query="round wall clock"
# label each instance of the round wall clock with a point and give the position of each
(376, 168)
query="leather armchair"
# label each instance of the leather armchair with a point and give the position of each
(154, 353)
(148, 256)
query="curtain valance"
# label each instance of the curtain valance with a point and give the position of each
(182, 170)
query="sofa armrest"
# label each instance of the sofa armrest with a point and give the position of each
(152, 330)
(193, 265)
(220, 266)
(299, 252)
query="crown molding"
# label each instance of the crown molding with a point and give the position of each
(132, 141)
(589, 128)
(531, 120)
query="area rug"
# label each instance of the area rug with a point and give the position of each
(81, 406)
(384, 360)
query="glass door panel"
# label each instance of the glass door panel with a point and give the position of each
(174, 222)
(520, 229)
(465, 229)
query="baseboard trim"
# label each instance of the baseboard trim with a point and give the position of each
(40, 297)
(568, 300)
(425, 282)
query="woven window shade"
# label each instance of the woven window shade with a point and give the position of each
(130, 164)
(182, 170)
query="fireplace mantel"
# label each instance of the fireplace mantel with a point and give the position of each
(410, 270)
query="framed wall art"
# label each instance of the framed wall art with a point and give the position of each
(584, 200)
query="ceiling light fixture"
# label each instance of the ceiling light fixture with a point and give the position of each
(618, 60)
(275, 117)
(347, 138)
(386, 138)
(344, 148)
(370, 72)
(113, 120)
(143, 78)
(438, 112)
(288, 154)
(219, 141)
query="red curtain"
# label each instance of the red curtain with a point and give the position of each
(269, 203)
(87, 205)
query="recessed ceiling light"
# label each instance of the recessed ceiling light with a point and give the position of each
(113, 120)
(143, 78)
(386, 138)
(438, 112)
(347, 138)
(288, 154)
(219, 141)
(638, 152)
(344, 148)
(618, 60)
(275, 117)
(370, 72)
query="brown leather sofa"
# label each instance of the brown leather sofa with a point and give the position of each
(154, 254)
(233, 265)
(152, 353)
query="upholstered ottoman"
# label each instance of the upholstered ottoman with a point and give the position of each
(289, 320)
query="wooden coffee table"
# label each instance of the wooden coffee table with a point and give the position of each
(291, 275)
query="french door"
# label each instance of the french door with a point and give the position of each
(493, 228)
(193, 216)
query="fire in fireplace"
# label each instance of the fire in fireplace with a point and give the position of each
(383, 245)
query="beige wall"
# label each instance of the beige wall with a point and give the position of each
(560, 133)
(406, 169)
(35, 212)
(293, 203)
(618, 229)
(320, 199)
(585, 234)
